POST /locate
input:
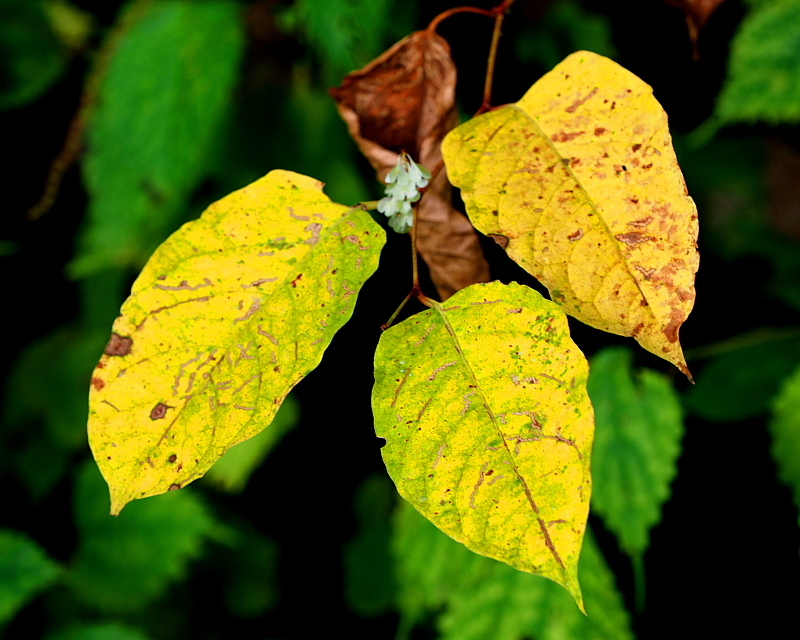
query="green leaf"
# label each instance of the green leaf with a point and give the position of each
(489, 427)
(369, 577)
(785, 429)
(741, 384)
(160, 108)
(639, 426)
(25, 570)
(229, 314)
(250, 585)
(764, 71)
(565, 27)
(124, 563)
(105, 631)
(480, 598)
(31, 58)
(233, 470)
(46, 404)
(346, 33)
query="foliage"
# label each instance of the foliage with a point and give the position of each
(184, 102)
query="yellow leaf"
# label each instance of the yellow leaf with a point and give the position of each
(580, 182)
(228, 315)
(483, 404)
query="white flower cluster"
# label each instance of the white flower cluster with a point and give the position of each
(402, 190)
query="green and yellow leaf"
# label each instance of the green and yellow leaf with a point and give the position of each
(230, 313)
(483, 404)
(580, 183)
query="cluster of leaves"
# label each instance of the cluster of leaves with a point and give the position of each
(150, 145)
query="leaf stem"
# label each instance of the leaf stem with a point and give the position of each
(500, 14)
(444, 15)
(369, 205)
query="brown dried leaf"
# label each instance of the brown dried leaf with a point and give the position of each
(405, 101)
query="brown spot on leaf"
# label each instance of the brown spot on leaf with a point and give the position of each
(98, 384)
(675, 322)
(577, 235)
(599, 131)
(574, 106)
(297, 279)
(633, 238)
(174, 487)
(159, 411)
(636, 147)
(118, 345)
(640, 223)
(172, 458)
(499, 239)
(562, 136)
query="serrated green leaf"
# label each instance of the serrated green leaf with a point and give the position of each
(763, 81)
(25, 570)
(160, 107)
(741, 384)
(233, 470)
(483, 405)
(230, 313)
(106, 631)
(639, 426)
(124, 563)
(785, 429)
(32, 58)
(345, 33)
(369, 577)
(479, 598)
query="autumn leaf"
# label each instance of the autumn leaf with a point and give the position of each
(405, 101)
(580, 183)
(483, 405)
(227, 316)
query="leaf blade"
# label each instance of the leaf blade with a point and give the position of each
(590, 202)
(229, 314)
(637, 444)
(486, 416)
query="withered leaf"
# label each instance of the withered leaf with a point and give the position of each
(405, 101)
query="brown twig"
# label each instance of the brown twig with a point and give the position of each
(444, 15)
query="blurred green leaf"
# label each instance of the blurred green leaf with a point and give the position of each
(25, 570)
(480, 598)
(565, 27)
(639, 426)
(740, 384)
(764, 71)
(107, 631)
(159, 112)
(369, 579)
(124, 563)
(785, 428)
(346, 34)
(31, 57)
(46, 407)
(232, 471)
(251, 581)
